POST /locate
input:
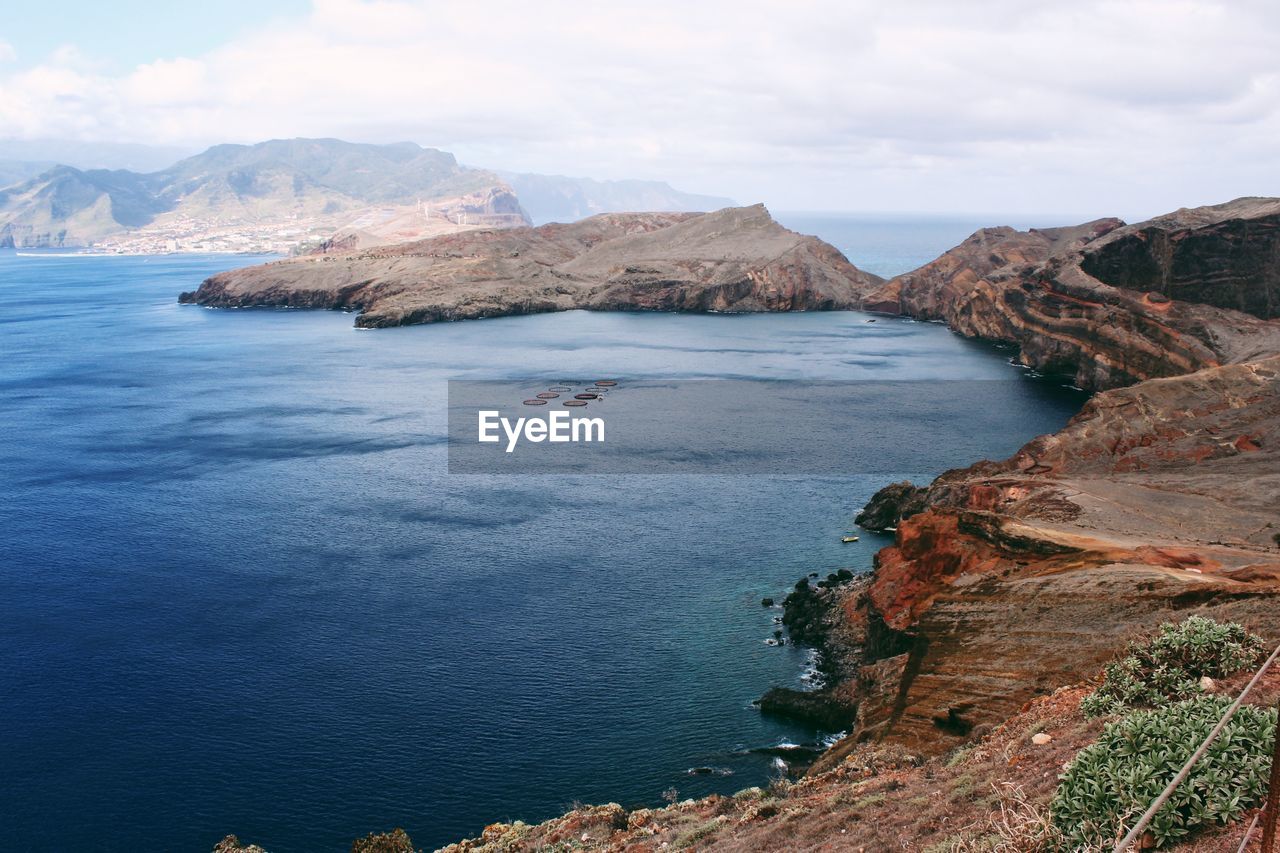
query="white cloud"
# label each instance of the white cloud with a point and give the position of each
(1103, 106)
(7, 53)
(166, 83)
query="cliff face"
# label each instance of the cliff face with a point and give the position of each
(1108, 304)
(1008, 579)
(737, 259)
(1227, 255)
(934, 291)
(1018, 579)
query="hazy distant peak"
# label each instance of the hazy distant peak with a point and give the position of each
(91, 155)
(558, 198)
(309, 180)
(230, 184)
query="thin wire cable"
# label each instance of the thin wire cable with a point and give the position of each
(1141, 825)
(1248, 833)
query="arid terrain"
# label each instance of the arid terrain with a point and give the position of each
(737, 259)
(267, 197)
(296, 195)
(958, 664)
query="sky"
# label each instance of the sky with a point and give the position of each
(1090, 108)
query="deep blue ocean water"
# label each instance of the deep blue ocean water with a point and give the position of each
(240, 593)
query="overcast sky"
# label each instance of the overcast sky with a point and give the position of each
(1091, 108)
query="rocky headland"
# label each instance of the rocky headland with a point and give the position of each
(955, 665)
(1109, 304)
(1009, 579)
(733, 260)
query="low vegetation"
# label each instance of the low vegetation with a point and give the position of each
(1169, 666)
(1114, 780)
(1158, 691)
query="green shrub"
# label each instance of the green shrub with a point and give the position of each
(1113, 781)
(1168, 667)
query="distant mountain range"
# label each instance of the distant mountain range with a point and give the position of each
(310, 181)
(555, 198)
(91, 155)
(13, 171)
(275, 195)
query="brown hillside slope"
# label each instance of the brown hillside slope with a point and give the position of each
(733, 260)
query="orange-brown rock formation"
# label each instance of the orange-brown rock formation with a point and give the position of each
(1008, 579)
(1109, 304)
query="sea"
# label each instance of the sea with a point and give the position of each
(240, 591)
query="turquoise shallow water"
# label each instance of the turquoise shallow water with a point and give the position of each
(240, 593)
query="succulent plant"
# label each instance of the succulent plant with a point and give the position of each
(1112, 781)
(1169, 666)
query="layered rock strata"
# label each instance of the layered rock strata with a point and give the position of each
(1108, 304)
(1008, 579)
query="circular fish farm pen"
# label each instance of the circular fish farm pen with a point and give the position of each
(586, 396)
(547, 395)
(535, 402)
(575, 402)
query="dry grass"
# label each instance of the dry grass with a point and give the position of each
(990, 796)
(1019, 826)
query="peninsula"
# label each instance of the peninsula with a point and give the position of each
(733, 260)
(957, 666)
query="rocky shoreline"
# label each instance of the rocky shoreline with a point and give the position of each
(1171, 299)
(1010, 580)
(1140, 494)
(1007, 580)
(815, 616)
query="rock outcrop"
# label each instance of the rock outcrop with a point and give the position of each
(890, 505)
(232, 844)
(1017, 577)
(1227, 255)
(1008, 579)
(1108, 304)
(734, 260)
